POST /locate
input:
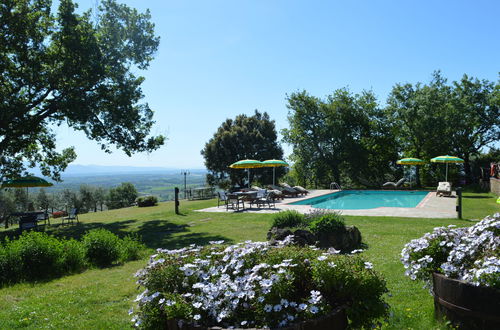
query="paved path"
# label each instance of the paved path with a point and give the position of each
(430, 207)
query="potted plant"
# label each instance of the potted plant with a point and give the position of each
(462, 268)
(257, 285)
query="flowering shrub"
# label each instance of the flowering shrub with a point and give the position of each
(470, 254)
(254, 284)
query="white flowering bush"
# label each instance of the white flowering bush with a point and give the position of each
(471, 254)
(254, 285)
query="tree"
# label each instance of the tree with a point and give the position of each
(438, 118)
(121, 196)
(99, 197)
(65, 68)
(343, 138)
(43, 200)
(245, 137)
(87, 196)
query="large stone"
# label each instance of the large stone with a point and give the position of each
(277, 234)
(304, 237)
(344, 240)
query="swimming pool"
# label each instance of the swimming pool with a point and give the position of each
(365, 199)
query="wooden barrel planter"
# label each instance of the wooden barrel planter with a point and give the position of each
(336, 320)
(467, 306)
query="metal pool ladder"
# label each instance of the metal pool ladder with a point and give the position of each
(335, 185)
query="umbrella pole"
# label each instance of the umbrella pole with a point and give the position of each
(248, 178)
(274, 171)
(446, 172)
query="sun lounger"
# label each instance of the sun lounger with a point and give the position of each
(444, 189)
(285, 190)
(301, 190)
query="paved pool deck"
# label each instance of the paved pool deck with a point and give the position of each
(431, 206)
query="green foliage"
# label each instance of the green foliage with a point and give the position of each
(62, 66)
(289, 219)
(121, 196)
(102, 247)
(327, 223)
(320, 281)
(74, 256)
(39, 255)
(352, 281)
(344, 136)
(144, 201)
(131, 248)
(245, 137)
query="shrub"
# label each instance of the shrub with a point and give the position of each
(74, 256)
(102, 247)
(39, 255)
(131, 248)
(327, 223)
(469, 254)
(289, 219)
(255, 285)
(10, 264)
(146, 201)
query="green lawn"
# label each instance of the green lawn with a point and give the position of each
(100, 298)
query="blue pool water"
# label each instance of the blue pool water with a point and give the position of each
(365, 199)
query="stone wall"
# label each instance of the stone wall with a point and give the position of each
(495, 186)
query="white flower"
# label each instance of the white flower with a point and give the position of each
(268, 308)
(277, 308)
(197, 317)
(197, 304)
(302, 307)
(314, 309)
(368, 265)
(322, 257)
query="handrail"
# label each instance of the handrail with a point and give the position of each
(335, 185)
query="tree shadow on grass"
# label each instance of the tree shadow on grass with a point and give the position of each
(154, 234)
(160, 234)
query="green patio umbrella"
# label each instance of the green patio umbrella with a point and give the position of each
(447, 160)
(274, 163)
(410, 161)
(247, 164)
(27, 181)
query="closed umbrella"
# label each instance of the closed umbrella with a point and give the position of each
(447, 160)
(410, 161)
(274, 163)
(247, 164)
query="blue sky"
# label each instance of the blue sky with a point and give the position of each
(218, 59)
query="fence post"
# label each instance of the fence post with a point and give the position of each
(459, 206)
(176, 190)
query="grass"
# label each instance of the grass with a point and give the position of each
(100, 298)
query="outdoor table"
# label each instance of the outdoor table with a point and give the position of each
(27, 220)
(247, 196)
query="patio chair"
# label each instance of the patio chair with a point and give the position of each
(234, 201)
(266, 199)
(73, 215)
(394, 185)
(221, 197)
(443, 189)
(261, 193)
(43, 217)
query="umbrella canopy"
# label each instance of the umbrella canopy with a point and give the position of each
(27, 181)
(274, 163)
(410, 161)
(447, 160)
(248, 164)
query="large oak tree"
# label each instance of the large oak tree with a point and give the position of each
(76, 69)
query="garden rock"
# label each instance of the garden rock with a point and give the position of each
(278, 234)
(304, 237)
(344, 240)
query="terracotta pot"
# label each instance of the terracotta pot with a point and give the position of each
(336, 320)
(467, 306)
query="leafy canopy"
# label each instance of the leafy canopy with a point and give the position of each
(245, 137)
(66, 68)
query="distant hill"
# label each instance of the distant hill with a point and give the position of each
(86, 170)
